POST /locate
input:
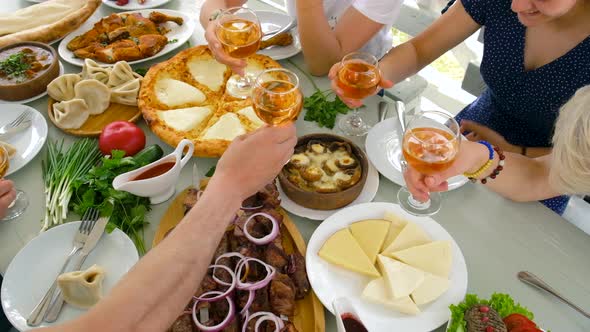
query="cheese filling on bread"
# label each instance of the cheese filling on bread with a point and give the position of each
(208, 72)
(226, 128)
(173, 92)
(185, 119)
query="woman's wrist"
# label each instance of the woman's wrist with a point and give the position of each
(478, 155)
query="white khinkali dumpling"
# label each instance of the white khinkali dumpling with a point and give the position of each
(126, 93)
(121, 74)
(62, 88)
(82, 289)
(71, 114)
(91, 70)
(96, 95)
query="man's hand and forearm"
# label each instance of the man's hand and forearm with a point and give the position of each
(152, 295)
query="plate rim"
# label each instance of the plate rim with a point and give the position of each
(296, 42)
(65, 54)
(50, 231)
(113, 4)
(379, 206)
(374, 174)
(391, 173)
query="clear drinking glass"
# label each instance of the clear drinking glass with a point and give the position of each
(430, 144)
(239, 32)
(358, 78)
(276, 97)
(20, 204)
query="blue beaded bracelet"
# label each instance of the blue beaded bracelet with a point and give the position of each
(490, 148)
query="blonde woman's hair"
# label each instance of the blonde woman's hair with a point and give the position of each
(570, 166)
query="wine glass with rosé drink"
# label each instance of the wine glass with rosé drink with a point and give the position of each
(276, 96)
(357, 78)
(239, 32)
(21, 202)
(430, 144)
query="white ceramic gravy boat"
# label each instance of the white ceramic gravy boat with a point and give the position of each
(159, 188)
(341, 306)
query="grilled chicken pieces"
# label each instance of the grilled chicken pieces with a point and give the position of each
(123, 37)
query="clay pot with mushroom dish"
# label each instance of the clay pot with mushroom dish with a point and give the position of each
(26, 69)
(326, 172)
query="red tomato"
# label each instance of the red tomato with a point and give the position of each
(525, 328)
(121, 135)
(514, 321)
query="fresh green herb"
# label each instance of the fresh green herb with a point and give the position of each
(502, 303)
(141, 71)
(322, 107)
(94, 190)
(15, 65)
(210, 172)
(172, 41)
(61, 169)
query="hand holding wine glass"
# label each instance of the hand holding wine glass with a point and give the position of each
(430, 146)
(351, 102)
(239, 32)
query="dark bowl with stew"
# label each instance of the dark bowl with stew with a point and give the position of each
(26, 69)
(325, 200)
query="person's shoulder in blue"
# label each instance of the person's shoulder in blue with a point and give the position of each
(535, 58)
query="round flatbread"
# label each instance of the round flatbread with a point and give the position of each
(185, 97)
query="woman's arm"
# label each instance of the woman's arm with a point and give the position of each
(322, 46)
(522, 179)
(152, 295)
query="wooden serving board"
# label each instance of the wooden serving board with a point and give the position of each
(95, 123)
(309, 315)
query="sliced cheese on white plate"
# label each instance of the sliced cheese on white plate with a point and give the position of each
(376, 291)
(343, 250)
(400, 279)
(434, 257)
(430, 289)
(185, 119)
(250, 114)
(226, 128)
(396, 226)
(410, 236)
(208, 72)
(173, 92)
(370, 235)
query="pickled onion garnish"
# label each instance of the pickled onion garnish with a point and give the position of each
(265, 239)
(226, 255)
(251, 295)
(225, 323)
(205, 297)
(262, 316)
(270, 273)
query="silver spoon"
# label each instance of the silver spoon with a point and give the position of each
(533, 280)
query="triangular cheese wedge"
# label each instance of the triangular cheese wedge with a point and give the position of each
(173, 92)
(434, 257)
(370, 235)
(400, 279)
(226, 128)
(376, 291)
(208, 72)
(250, 114)
(185, 119)
(342, 249)
(430, 289)
(410, 236)
(396, 226)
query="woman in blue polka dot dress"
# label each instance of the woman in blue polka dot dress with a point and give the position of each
(536, 55)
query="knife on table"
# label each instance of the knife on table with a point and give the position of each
(93, 238)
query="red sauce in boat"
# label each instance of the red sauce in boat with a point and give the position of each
(155, 171)
(352, 324)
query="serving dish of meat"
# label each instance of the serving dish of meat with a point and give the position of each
(134, 37)
(286, 297)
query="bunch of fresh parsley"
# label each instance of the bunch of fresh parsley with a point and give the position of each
(127, 211)
(15, 65)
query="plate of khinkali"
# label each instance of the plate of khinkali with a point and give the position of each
(82, 104)
(28, 277)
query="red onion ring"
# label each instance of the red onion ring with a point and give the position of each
(264, 315)
(251, 296)
(225, 323)
(231, 287)
(226, 255)
(266, 239)
(270, 273)
(250, 208)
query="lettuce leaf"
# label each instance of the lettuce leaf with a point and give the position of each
(502, 303)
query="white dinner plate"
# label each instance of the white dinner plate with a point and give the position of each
(35, 267)
(135, 5)
(43, 94)
(270, 21)
(330, 281)
(384, 150)
(180, 33)
(27, 142)
(367, 194)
